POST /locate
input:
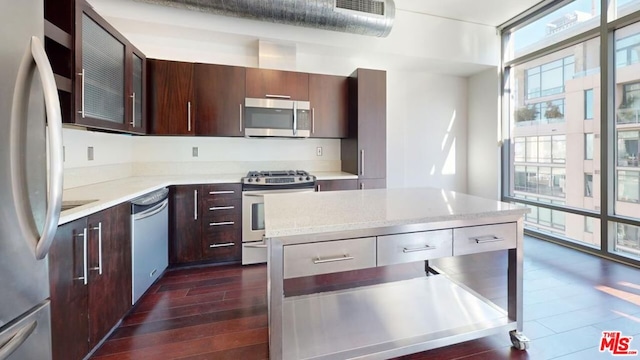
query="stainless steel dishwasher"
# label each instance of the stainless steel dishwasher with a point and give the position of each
(150, 242)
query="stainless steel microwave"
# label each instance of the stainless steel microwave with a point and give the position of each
(277, 118)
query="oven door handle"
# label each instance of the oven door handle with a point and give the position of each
(254, 195)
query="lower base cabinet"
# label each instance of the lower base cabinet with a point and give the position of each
(90, 280)
(205, 223)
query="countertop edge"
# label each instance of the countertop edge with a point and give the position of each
(135, 186)
(298, 235)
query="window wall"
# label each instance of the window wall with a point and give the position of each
(571, 153)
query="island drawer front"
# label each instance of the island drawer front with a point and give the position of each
(329, 256)
(475, 239)
(404, 248)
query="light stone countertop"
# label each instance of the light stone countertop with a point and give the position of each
(334, 211)
(111, 193)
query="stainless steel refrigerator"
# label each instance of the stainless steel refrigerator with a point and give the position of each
(30, 180)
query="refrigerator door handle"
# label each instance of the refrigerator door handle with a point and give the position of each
(36, 58)
(17, 340)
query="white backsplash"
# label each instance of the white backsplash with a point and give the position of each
(118, 156)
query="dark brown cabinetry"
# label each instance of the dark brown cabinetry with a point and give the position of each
(205, 223)
(329, 98)
(99, 73)
(222, 222)
(333, 185)
(364, 152)
(69, 293)
(219, 94)
(185, 230)
(264, 83)
(90, 280)
(171, 97)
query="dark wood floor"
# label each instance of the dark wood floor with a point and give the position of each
(221, 312)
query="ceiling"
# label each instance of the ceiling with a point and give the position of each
(485, 12)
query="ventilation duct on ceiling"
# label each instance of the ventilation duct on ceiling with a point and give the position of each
(364, 17)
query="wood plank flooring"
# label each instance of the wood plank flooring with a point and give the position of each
(221, 312)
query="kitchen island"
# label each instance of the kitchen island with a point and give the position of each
(318, 233)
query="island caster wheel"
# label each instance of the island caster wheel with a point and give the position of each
(518, 340)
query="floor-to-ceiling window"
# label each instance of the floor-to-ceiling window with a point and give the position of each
(571, 119)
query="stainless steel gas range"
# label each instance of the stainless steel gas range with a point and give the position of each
(254, 186)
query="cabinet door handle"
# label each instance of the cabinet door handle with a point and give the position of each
(313, 120)
(486, 239)
(240, 118)
(221, 208)
(278, 96)
(221, 245)
(85, 255)
(362, 162)
(222, 192)
(133, 109)
(295, 119)
(344, 257)
(82, 113)
(361, 186)
(195, 204)
(99, 229)
(189, 116)
(421, 248)
(318, 187)
(221, 223)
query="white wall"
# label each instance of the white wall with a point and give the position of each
(483, 169)
(112, 156)
(426, 112)
(426, 136)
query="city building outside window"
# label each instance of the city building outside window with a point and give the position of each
(552, 84)
(588, 104)
(588, 185)
(629, 186)
(588, 146)
(588, 224)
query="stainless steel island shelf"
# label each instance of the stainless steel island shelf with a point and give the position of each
(390, 319)
(387, 320)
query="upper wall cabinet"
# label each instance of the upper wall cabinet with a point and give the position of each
(263, 83)
(108, 71)
(171, 98)
(106, 75)
(219, 94)
(329, 98)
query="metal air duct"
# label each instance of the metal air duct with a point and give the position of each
(364, 17)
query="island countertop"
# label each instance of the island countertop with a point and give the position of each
(299, 214)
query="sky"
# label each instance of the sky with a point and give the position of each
(537, 30)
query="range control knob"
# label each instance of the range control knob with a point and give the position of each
(308, 178)
(258, 180)
(250, 180)
(300, 179)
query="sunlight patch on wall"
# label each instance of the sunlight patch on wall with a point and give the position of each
(449, 167)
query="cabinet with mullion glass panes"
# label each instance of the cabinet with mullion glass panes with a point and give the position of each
(108, 75)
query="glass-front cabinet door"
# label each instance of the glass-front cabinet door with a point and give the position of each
(137, 123)
(102, 73)
(110, 76)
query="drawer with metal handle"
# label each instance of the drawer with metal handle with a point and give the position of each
(222, 245)
(474, 239)
(221, 222)
(212, 208)
(404, 248)
(222, 191)
(329, 256)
